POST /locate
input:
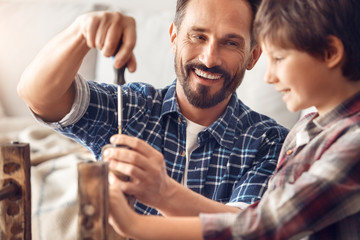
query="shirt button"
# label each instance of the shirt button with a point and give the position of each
(183, 153)
(179, 120)
(289, 152)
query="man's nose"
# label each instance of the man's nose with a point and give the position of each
(210, 55)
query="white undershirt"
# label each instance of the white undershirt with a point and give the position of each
(192, 131)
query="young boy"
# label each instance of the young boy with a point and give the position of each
(313, 48)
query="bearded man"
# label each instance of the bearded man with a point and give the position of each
(193, 146)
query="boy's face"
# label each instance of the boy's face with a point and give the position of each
(302, 79)
(212, 50)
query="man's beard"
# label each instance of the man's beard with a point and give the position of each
(200, 97)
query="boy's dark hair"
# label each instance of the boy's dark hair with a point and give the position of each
(181, 9)
(307, 24)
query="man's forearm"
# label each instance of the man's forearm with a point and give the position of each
(46, 84)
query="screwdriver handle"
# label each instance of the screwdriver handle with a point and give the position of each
(120, 75)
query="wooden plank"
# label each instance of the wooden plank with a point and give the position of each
(93, 200)
(15, 208)
(93, 194)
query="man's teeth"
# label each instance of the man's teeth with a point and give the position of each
(207, 75)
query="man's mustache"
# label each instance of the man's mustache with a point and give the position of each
(216, 70)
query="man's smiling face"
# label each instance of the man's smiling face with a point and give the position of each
(212, 50)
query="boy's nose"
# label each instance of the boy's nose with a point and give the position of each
(270, 77)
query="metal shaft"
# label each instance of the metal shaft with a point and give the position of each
(120, 106)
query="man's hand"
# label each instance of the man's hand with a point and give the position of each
(106, 31)
(47, 83)
(149, 182)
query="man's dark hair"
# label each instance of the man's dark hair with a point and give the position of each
(181, 9)
(306, 25)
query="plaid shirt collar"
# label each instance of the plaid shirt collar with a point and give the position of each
(222, 130)
(349, 107)
(312, 124)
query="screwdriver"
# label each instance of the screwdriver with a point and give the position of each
(119, 80)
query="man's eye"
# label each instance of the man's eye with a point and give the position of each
(232, 43)
(198, 37)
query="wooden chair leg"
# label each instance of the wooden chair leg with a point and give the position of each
(93, 194)
(93, 200)
(15, 193)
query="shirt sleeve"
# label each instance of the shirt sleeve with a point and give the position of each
(85, 121)
(325, 194)
(78, 109)
(254, 182)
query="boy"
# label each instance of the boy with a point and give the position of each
(313, 47)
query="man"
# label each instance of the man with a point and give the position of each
(194, 132)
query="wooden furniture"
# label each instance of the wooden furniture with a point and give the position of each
(15, 196)
(15, 191)
(93, 193)
(93, 200)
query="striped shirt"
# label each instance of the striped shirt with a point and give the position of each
(315, 192)
(232, 164)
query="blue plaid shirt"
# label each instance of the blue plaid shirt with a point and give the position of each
(237, 153)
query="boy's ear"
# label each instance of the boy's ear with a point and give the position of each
(173, 34)
(255, 54)
(334, 54)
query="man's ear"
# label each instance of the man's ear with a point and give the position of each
(173, 34)
(334, 54)
(255, 54)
